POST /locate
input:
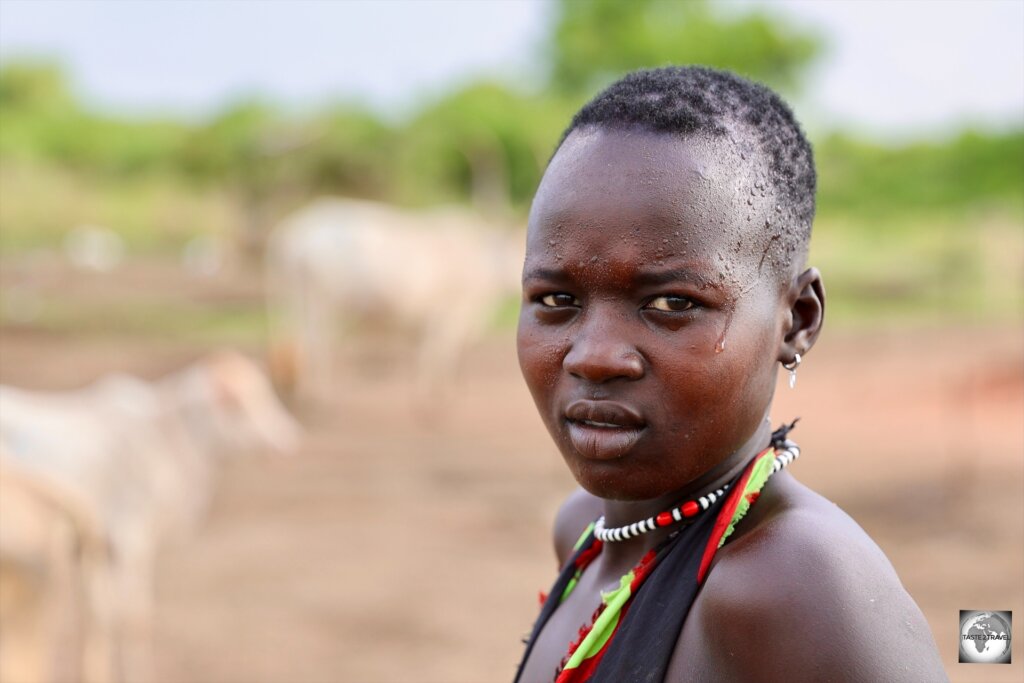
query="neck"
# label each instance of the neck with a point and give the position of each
(619, 513)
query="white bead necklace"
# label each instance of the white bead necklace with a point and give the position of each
(687, 510)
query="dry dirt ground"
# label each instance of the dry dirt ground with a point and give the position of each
(398, 549)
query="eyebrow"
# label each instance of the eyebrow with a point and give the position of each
(668, 276)
(541, 273)
(644, 278)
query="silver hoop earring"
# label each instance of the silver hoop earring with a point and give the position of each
(792, 366)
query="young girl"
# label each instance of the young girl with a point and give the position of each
(663, 287)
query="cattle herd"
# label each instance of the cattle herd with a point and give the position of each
(94, 480)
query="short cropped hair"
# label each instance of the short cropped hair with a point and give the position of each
(691, 100)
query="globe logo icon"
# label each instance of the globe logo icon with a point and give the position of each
(985, 637)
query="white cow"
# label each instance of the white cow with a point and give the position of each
(142, 456)
(438, 275)
(55, 602)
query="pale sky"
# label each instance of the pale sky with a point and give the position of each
(894, 68)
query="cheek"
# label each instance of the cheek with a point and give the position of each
(743, 385)
(540, 357)
(717, 390)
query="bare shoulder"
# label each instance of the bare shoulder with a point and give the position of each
(576, 513)
(801, 593)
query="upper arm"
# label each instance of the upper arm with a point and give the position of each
(578, 510)
(798, 606)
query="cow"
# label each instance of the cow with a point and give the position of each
(141, 457)
(55, 619)
(438, 275)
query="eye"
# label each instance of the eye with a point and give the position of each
(670, 304)
(559, 300)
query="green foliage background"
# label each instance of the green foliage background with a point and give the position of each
(923, 228)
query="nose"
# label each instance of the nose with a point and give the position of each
(600, 354)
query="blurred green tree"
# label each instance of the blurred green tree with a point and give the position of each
(485, 144)
(596, 41)
(250, 149)
(347, 146)
(868, 180)
(40, 118)
(33, 85)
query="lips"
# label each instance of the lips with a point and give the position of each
(603, 430)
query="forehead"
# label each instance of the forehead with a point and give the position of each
(651, 170)
(608, 185)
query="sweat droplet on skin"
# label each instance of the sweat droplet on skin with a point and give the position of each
(720, 344)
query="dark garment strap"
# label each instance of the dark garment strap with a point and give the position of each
(641, 648)
(644, 644)
(554, 598)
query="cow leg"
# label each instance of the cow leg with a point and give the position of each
(101, 656)
(316, 372)
(24, 629)
(135, 602)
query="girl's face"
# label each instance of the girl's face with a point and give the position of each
(652, 318)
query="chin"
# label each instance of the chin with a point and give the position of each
(613, 481)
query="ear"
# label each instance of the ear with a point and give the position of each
(805, 315)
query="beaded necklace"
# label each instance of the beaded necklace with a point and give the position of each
(687, 510)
